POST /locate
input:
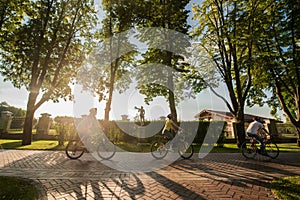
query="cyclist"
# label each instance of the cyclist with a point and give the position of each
(168, 127)
(89, 124)
(254, 129)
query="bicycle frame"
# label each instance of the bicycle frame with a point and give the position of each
(76, 148)
(159, 149)
(251, 148)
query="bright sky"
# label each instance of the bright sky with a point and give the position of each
(122, 104)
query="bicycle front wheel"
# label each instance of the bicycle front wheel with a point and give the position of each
(249, 149)
(74, 149)
(186, 150)
(158, 150)
(272, 149)
(106, 150)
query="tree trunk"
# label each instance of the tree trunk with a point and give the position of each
(107, 107)
(111, 89)
(240, 132)
(298, 140)
(239, 128)
(27, 129)
(172, 106)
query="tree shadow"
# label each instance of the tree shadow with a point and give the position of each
(11, 145)
(237, 171)
(62, 178)
(87, 178)
(179, 189)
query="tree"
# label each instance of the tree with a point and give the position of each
(109, 66)
(118, 20)
(11, 16)
(171, 16)
(47, 50)
(227, 31)
(279, 57)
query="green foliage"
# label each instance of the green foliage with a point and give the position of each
(44, 51)
(228, 32)
(11, 16)
(159, 81)
(202, 130)
(17, 112)
(65, 129)
(278, 57)
(110, 65)
(48, 46)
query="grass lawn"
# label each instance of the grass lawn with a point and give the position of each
(17, 188)
(287, 188)
(53, 145)
(35, 145)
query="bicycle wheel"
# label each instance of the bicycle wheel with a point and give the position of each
(74, 149)
(249, 149)
(186, 150)
(106, 149)
(158, 150)
(272, 149)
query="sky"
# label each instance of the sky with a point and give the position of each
(123, 103)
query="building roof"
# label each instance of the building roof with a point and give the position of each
(207, 114)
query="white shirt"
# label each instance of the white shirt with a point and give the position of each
(254, 127)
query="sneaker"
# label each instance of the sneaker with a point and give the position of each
(262, 152)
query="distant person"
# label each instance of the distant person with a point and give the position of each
(254, 129)
(142, 114)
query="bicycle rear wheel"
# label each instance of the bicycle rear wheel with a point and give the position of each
(158, 150)
(249, 149)
(272, 149)
(186, 150)
(106, 150)
(74, 149)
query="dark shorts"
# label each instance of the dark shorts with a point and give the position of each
(168, 134)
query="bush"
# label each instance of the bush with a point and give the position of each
(125, 131)
(65, 129)
(202, 128)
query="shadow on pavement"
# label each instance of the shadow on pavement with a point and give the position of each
(213, 177)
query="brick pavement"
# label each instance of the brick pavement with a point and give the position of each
(217, 176)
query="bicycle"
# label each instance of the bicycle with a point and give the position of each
(104, 147)
(159, 148)
(252, 147)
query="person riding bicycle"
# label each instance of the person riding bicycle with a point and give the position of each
(89, 125)
(254, 129)
(168, 127)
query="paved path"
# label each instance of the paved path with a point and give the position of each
(217, 176)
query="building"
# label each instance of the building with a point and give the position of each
(214, 115)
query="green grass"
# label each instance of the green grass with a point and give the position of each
(134, 147)
(17, 188)
(53, 145)
(288, 147)
(287, 188)
(35, 145)
(20, 131)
